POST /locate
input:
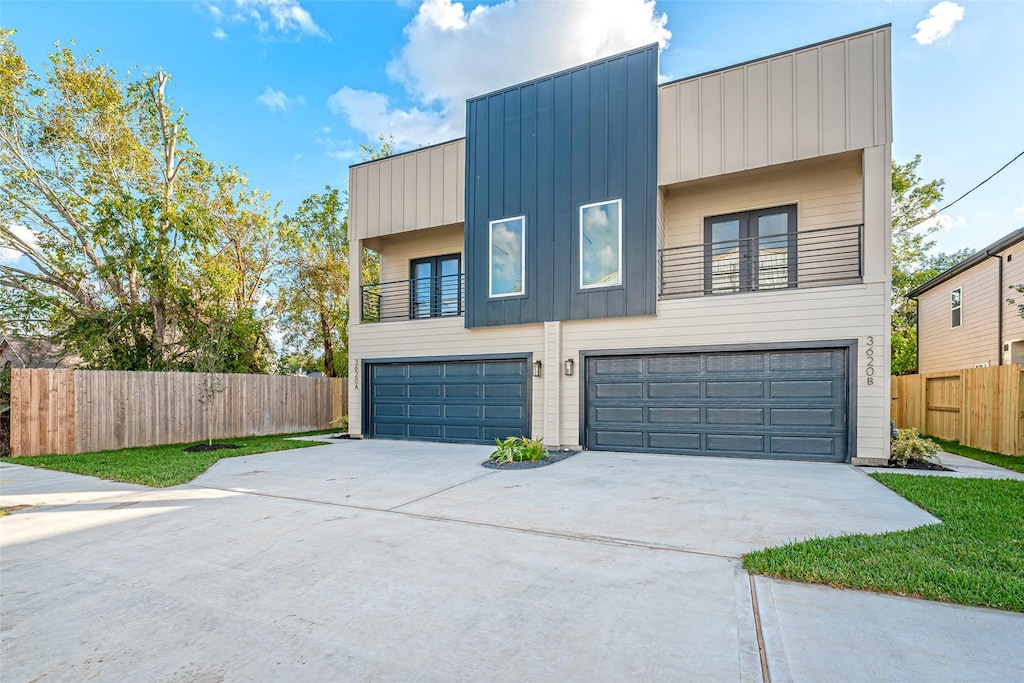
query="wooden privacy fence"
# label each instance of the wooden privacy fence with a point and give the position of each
(979, 407)
(79, 411)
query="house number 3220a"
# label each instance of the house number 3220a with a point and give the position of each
(869, 369)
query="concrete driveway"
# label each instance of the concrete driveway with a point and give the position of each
(385, 561)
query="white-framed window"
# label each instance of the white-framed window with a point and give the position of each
(601, 244)
(956, 299)
(507, 247)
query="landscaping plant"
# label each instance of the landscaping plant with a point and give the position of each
(517, 449)
(909, 446)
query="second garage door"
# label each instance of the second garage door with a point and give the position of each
(458, 401)
(768, 404)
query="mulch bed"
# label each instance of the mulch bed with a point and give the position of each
(200, 447)
(915, 465)
(556, 456)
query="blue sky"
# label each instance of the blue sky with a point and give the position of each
(287, 89)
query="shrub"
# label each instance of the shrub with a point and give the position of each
(909, 446)
(517, 449)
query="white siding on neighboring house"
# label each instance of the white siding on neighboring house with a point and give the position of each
(943, 347)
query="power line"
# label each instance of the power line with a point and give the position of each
(938, 211)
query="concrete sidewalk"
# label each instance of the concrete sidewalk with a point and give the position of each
(962, 468)
(390, 561)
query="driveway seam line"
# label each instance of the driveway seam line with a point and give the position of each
(765, 677)
(449, 488)
(603, 540)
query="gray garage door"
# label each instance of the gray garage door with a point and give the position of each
(459, 401)
(774, 404)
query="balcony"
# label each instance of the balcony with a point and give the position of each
(808, 258)
(441, 296)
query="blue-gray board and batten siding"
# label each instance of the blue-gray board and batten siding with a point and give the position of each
(461, 401)
(541, 150)
(783, 404)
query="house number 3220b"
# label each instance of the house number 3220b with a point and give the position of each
(869, 369)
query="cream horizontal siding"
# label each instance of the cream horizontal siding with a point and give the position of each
(765, 318)
(826, 99)
(420, 189)
(397, 251)
(1013, 323)
(828, 192)
(826, 314)
(943, 347)
(441, 337)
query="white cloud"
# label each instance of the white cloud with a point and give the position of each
(219, 34)
(345, 151)
(275, 100)
(1019, 209)
(10, 251)
(282, 15)
(372, 113)
(939, 22)
(944, 222)
(286, 15)
(451, 55)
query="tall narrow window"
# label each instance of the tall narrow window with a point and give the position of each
(601, 244)
(507, 274)
(956, 299)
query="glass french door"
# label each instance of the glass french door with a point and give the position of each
(436, 287)
(750, 251)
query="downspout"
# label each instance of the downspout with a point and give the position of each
(917, 336)
(999, 298)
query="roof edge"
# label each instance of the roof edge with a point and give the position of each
(777, 54)
(409, 151)
(1002, 243)
(568, 70)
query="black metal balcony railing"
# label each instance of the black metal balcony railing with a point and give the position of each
(429, 297)
(807, 258)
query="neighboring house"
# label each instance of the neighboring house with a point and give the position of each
(33, 352)
(699, 267)
(964, 318)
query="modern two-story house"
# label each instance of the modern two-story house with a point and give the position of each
(964, 316)
(697, 267)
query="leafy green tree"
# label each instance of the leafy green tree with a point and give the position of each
(314, 302)
(313, 299)
(102, 173)
(913, 200)
(118, 214)
(386, 148)
(297, 363)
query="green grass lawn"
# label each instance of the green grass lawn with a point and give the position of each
(976, 557)
(1010, 462)
(161, 466)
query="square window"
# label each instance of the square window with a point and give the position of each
(601, 244)
(507, 275)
